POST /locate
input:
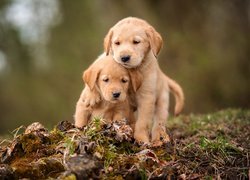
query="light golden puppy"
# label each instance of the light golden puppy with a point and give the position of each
(112, 81)
(135, 44)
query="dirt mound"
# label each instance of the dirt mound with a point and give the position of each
(203, 146)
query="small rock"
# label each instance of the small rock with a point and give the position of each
(84, 166)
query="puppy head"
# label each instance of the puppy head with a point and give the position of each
(114, 82)
(130, 40)
(111, 79)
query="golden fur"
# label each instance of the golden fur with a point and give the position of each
(109, 79)
(135, 44)
(136, 39)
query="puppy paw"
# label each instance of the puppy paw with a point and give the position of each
(141, 138)
(157, 143)
(91, 99)
(160, 137)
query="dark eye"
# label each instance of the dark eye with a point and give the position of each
(124, 80)
(117, 43)
(136, 41)
(106, 79)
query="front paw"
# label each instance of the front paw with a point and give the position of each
(141, 137)
(160, 137)
(91, 100)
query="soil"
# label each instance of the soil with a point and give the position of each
(210, 146)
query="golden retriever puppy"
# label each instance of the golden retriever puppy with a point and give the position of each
(113, 83)
(135, 44)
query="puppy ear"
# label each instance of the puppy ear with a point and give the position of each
(90, 76)
(155, 40)
(107, 42)
(136, 79)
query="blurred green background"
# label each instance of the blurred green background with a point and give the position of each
(46, 44)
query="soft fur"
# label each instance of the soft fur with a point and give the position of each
(136, 40)
(107, 77)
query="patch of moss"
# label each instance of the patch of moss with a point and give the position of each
(30, 142)
(207, 146)
(55, 136)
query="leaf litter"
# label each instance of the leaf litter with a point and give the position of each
(212, 146)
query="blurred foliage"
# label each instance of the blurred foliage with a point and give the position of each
(206, 49)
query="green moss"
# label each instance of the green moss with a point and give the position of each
(220, 145)
(55, 136)
(203, 147)
(109, 158)
(70, 145)
(30, 142)
(68, 177)
(40, 168)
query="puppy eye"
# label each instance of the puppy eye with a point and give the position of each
(117, 43)
(124, 80)
(136, 41)
(106, 80)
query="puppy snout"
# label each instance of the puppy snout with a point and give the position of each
(125, 58)
(116, 94)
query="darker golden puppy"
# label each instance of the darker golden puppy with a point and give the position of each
(114, 83)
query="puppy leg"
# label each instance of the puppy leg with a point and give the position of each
(117, 117)
(128, 116)
(132, 120)
(146, 109)
(90, 97)
(82, 113)
(159, 127)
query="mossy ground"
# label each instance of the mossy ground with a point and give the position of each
(211, 146)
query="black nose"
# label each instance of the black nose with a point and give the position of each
(116, 94)
(125, 58)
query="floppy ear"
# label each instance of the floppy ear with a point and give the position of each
(136, 78)
(155, 40)
(90, 76)
(107, 42)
